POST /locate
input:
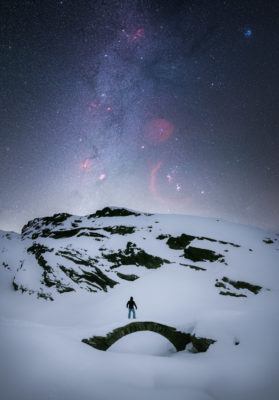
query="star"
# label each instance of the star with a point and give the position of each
(248, 33)
(149, 89)
(169, 178)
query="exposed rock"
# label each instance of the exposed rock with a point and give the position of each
(127, 277)
(134, 256)
(232, 294)
(35, 227)
(197, 254)
(194, 267)
(113, 212)
(243, 285)
(120, 229)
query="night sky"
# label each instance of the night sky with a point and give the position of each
(159, 106)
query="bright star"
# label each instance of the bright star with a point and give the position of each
(248, 33)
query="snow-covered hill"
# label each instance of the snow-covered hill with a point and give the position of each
(66, 278)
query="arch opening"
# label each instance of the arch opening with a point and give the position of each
(143, 342)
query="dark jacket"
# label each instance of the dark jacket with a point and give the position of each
(131, 304)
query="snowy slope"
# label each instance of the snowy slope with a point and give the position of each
(66, 278)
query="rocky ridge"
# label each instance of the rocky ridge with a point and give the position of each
(65, 253)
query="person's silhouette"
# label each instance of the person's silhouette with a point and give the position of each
(131, 305)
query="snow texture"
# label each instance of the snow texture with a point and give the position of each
(59, 284)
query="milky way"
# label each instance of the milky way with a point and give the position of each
(160, 106)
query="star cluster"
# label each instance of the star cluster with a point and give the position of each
(153, 105)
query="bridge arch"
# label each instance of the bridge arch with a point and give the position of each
(177, 338)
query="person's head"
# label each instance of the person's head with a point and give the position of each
(131, 298)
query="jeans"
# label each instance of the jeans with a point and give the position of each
(133, 311)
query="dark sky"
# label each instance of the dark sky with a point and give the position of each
(160, 106)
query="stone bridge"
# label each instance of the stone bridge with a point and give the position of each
(177, 338)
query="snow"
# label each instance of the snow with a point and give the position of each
(144, 343)
(42, 356)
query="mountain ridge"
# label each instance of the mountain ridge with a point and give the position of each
(68, 253)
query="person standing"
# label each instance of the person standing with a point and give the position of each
(131, 305)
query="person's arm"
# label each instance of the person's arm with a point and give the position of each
(135, 305)
(127, 304)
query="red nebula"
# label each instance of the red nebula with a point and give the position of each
(93, 106)
(87, 165)
(153, 181)
(159, 130)
(102, 177)
(139, 34)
